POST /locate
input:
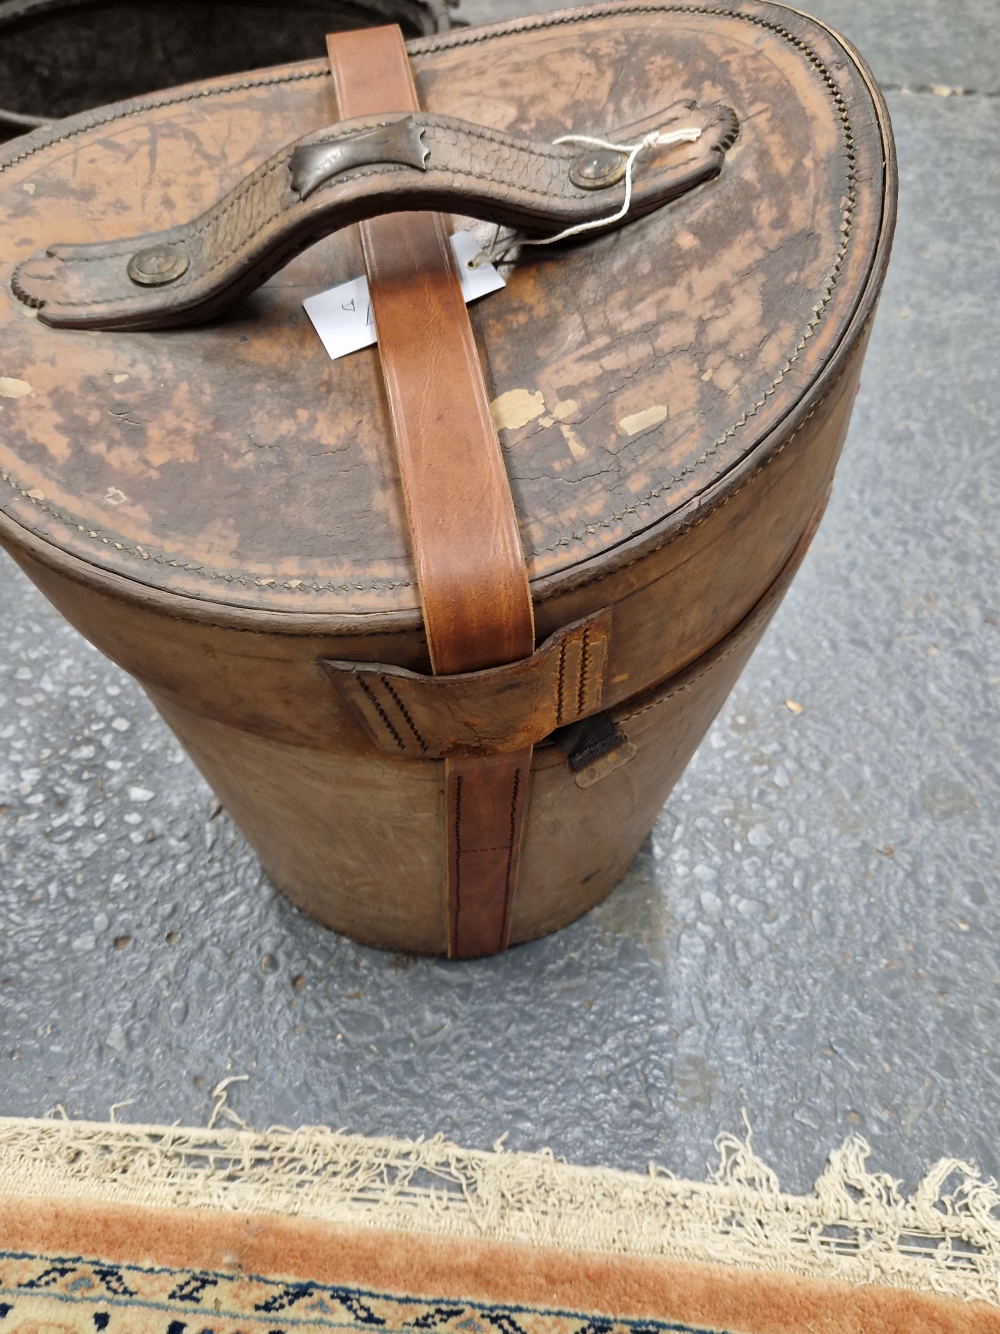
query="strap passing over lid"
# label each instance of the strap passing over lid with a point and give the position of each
(466, 545)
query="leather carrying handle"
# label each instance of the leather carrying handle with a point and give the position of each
(463, 530)
(378, 162)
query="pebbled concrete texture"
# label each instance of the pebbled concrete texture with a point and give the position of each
(908, 43)
(812, 933)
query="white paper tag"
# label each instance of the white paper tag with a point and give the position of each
(343, 316)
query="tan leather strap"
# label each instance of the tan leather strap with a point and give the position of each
(485, 801)
(463, 530)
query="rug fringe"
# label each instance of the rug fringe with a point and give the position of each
(856, 1225)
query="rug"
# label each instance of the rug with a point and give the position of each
(170, 1230)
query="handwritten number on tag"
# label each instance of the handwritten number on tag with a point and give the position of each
(336, 313)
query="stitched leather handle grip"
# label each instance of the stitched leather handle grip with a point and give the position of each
(358, 169)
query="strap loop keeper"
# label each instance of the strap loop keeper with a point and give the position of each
(504, 708)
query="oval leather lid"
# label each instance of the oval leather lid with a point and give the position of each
(235, 462)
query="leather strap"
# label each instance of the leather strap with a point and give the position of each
(485, 801)
(467, 548)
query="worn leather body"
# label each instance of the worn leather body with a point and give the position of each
(220, 508)
(351, 833)
(582, 830)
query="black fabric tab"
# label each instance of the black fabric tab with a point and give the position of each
(587, 740)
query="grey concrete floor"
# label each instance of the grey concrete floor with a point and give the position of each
(812, 932)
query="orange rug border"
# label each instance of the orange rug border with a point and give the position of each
(706, 1296)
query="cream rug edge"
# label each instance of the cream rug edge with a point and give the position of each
(855, 1225)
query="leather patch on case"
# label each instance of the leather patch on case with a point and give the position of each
(497, 710)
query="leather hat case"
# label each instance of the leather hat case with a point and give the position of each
(442, 620)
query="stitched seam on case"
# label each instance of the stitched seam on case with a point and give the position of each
(456, 869)
(538, 24)
(714, 509)
(560, 683)
(380, 711)
(748, 480)
(402, 708)
(141, 553)
(679, 690)
(513, 834)
(581, 692)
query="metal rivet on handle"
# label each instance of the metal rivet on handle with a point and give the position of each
(160, 264)
(598, 169)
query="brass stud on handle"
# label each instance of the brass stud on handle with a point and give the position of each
(158, 265)
(598, 169)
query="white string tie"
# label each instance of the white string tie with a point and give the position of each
(655, 139)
